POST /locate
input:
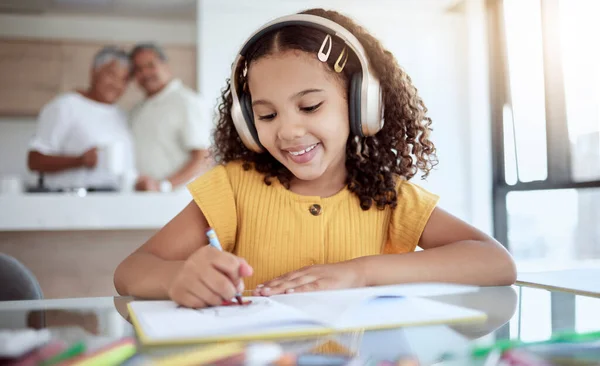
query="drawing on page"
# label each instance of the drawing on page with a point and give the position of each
(256, 306)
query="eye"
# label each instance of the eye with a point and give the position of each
(267, 117)
(311, 108)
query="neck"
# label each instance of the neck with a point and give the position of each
(328, 184)
(150, 94)
(92, 94)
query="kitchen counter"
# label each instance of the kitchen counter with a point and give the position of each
(94, 211)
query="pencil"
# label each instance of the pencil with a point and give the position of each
(213, 241)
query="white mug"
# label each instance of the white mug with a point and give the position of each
(111, 159)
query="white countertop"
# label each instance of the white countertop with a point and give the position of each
(95, 211)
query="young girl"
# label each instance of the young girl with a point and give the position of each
(312, 188)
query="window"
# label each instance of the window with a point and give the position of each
(545, 88)
(580, 51)
(557, 227)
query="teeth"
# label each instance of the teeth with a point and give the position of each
(301, 152)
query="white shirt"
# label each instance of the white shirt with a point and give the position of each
(70, 125)
(166, 127)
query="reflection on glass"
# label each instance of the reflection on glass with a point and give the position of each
(523, 26)
(586, 316)
(580, 50)
(556, 228)
(533, 321)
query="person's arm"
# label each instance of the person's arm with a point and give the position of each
(199, 162)
(454, 251)
(149, 271)
(36, 161)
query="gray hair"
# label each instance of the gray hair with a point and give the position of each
(108, 54)
(150, 47)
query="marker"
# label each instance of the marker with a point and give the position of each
(213, 241)
(504, 345)
(71, 352)
(112, 354)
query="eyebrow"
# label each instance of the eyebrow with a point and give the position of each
(297, 95)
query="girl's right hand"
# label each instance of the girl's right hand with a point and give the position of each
(208, 278)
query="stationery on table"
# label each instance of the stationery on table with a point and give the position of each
(263, 353)
(112, 354)
(561, 347)
(298, 315)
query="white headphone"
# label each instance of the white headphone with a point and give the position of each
(364, 99)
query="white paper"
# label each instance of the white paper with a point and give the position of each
(354, 308)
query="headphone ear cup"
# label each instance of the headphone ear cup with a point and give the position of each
(246, 104)
(354, 105)
(246, 107)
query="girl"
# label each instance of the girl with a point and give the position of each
(312, 188)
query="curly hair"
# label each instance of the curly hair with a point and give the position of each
(374, 163)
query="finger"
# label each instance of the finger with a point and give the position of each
(316, 285)
(284, 278)
(220, 285)
(228, 264)
(291, 285)
(189, 300)
(245, 269)
(207, 294)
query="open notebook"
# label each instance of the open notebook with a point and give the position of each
(307, 314)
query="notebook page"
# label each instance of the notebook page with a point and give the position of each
(395, 311)
(163, 320)
(329, 306)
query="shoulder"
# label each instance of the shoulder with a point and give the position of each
(408, 191)
(414, 207)
(59, 108)
(414, 201)
(233, 174)
(62, 101)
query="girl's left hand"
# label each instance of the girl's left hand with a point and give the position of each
(315, 278)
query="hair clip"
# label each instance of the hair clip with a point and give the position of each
(245, 69)
(344, 55)
(324, 56)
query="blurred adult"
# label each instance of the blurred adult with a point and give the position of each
(81, 133)
(171, 126)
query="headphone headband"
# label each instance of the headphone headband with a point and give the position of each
(368, 90)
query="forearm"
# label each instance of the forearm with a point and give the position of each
(199, 163)
(52, 163)
(145, 275)
(467, 262)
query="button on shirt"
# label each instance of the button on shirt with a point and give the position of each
(166, 127)
(71, 124)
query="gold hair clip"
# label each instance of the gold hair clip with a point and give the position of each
(245, 70)
(324, 56)
(344, 55)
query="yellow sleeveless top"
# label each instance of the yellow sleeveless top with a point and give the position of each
(278, 231)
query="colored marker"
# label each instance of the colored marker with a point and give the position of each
(213, 241)
(71, 352)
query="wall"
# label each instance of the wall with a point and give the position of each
(16, 132)
(443, 51)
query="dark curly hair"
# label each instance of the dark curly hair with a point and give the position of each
(373, 163)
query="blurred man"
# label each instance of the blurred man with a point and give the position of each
(171, 127)
(75, 125)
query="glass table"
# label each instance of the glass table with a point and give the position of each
(514, 312)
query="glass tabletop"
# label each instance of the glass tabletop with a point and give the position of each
(516, 312)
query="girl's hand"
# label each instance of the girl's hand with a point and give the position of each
(315, 278)
(208, 278)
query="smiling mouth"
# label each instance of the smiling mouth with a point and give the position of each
(303, 151)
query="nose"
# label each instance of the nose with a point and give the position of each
(291, 128)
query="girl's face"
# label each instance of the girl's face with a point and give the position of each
(301, 114)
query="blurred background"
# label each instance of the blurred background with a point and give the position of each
(512, 86)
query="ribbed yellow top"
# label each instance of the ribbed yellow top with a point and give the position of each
(278, 231)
